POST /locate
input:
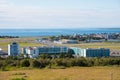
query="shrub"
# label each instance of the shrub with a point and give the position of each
(25, 63)
(45, 56)
(1, 64)
(44, 62)
(35, 63)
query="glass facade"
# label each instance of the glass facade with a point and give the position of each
(52, 50)
(77, 51)
(90, 52)
(97, 52)
(13, 49)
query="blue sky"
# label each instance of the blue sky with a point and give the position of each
(59, 13)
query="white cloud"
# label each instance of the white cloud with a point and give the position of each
(21, 17)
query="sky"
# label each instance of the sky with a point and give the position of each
(46, 14)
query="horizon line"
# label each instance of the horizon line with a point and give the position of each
(65, 28)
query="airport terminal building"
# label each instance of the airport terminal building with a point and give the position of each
(34, 52)
(89, 52)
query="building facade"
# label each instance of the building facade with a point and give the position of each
(31, 52)
(52, 50)
(34, 52)
(79, 52)
(97, 52)
(13, 49)
(115, 53)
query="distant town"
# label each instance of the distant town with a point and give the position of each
(99, 37)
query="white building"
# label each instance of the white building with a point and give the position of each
(31, 52)
(115, 53)
(13, 49)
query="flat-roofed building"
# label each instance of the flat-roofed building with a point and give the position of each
(115, 53)
(79, 52)
(31, 52)
(101, 52)
(52, 50)
(34, 52)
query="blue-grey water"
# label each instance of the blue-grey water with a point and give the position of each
(53, 32)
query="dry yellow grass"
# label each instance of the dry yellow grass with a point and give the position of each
(74, 73)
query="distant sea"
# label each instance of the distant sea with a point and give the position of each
(54, 32)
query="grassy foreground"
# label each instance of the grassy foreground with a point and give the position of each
(74, 73)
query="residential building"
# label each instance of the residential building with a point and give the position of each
(13, 49)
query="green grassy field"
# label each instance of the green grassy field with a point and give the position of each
(74, 73)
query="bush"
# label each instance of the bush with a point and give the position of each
(35, 63)
(45, 56)
(8, 62)
(25, 63)
(65, 62)
(57, 62)
(1, 64)
(44, 62)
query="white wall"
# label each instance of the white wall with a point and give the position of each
(9, 49)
